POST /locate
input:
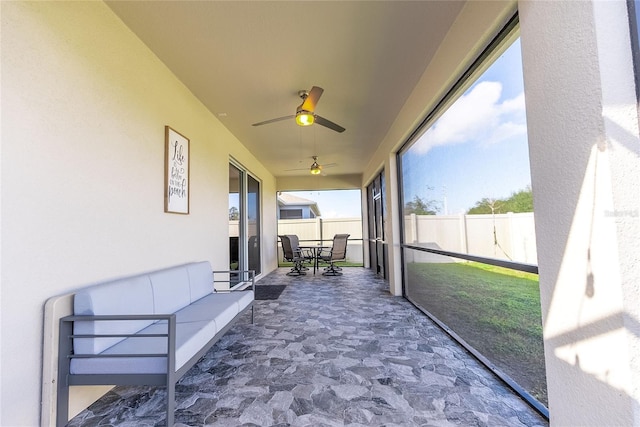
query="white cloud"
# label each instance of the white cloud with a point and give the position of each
(505, 132)
(477, 116)
(514, 105)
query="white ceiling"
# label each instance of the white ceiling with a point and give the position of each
(246, 62)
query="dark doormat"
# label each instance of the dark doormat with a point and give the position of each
(269, 291)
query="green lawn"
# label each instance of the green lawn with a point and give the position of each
(322, 265)
(495, 310)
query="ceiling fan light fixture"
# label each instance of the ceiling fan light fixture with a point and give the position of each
(315, 168)
(304, 118)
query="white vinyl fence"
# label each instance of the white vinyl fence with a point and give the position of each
(316, 231)
(503, 236)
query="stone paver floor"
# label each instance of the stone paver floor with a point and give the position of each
(331, 351)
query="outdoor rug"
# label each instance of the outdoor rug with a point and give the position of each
(264, 292)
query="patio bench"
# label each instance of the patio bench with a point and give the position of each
(148, 329)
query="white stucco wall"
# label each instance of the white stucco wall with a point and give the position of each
(84, 105)
(584, 150)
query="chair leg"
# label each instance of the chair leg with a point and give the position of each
(297, 269)
(301, 269)
(332, 270)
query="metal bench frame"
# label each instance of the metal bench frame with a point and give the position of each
(167, 379)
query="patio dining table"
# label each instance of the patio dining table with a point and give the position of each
(315, 251)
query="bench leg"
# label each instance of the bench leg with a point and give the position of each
(62, 408)
(171, 400)
(171, 405)
(62, 387)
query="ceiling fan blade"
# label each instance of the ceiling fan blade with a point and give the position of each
(328, 124)
(320, 166)
(297, 169)
(309, 104)
(279, 119)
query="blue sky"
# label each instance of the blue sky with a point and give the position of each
(478, 147)
(335, 203)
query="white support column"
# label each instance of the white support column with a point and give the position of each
(364, 198)
(392, 233)
(585, 154)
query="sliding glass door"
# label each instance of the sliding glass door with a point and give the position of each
(376, 202)
(235, 224)
(253, 224)
(244, 220)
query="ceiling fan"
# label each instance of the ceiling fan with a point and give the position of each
(305, 115)
(316, 168)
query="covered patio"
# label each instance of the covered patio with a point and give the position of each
(329, 351)
(94, 91)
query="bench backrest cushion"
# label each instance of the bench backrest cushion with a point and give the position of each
(170, 289)
(159, 292)
(200, 279)
(131, 295)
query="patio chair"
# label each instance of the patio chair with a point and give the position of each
(292, 255)
(308, 256)
(338, 252)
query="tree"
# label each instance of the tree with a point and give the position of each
(485, 206)
(419, 206)
(234, 214)
(520, 201)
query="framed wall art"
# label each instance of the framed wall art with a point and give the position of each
(176, 172)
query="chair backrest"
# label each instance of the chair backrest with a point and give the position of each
(339, 248)
(295, 242)
(287, 249)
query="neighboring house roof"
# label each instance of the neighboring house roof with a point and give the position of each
(288, 200)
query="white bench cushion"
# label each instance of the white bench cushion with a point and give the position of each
(170, 289)
(242, 298)
(124, 296)
(200, 279)
(196, 325)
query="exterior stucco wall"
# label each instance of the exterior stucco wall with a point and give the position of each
(84, 105)
(584, 151)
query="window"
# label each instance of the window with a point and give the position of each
(468, 232)
(291, 213)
